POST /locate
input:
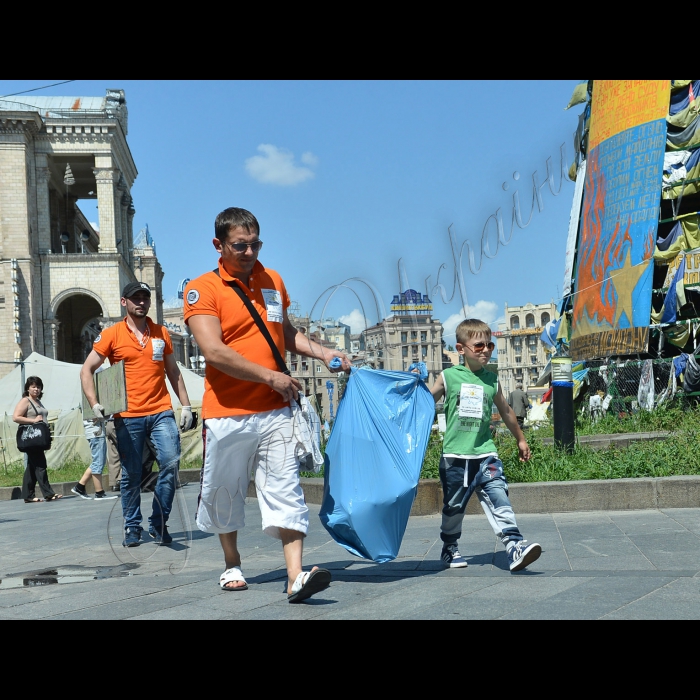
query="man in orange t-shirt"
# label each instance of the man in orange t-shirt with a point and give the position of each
(147, 352)
(246, 408)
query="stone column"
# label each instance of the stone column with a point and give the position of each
(43, 175)
(121, 202)
(124, 221)
(130, 213)
(107, 178)
(51, 338)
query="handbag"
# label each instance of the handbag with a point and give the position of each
(35, 436)
(307, 450)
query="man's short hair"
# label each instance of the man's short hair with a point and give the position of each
(471, 327)
(233, 217)
(519, 385)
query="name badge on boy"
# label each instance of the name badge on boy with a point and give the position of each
(273, 304)
(471, 407)
(158, 346)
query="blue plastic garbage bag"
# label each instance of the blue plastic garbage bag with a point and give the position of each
(419, 368)
(373, 461)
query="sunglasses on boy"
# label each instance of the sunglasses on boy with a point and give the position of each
(480, 347)
(242, 247)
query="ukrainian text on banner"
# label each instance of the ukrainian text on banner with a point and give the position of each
(622, 191)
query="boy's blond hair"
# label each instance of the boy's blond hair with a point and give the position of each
(471, 327)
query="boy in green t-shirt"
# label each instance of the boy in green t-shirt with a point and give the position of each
(470, 461)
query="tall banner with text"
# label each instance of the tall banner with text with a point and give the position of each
(622, 191)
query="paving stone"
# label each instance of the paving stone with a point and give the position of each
(678, 540)
(189, 611)
(506, 596)
(601, 547)
(678, 600)
(589, 531)
(626, 563)
(670, 562)
(122, 609)
(81, 603)
(421, 594)
(645, 522)
(591, 600)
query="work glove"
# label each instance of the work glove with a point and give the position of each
(99, 411)
(186, 418)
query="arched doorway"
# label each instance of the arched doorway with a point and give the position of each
(78, 316)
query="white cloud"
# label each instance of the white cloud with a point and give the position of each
(486, 311)
(356, 320)
(308, 158)
(276, 166)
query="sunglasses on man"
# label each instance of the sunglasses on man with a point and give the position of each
(480, 347)
(242, 247)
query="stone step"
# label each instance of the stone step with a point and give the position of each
(544, 497)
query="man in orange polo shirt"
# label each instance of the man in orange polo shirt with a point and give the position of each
(246, 407)
(147, 352)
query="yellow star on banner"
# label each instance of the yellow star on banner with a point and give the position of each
(624, 280)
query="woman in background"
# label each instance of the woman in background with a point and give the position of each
(30, 410)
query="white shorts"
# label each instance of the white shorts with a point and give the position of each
(233, 447)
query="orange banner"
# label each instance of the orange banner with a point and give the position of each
(618, 105)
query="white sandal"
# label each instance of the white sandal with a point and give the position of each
(307, 583)
(230, 575)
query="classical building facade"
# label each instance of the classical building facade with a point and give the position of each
(409, 335)
(313, 375)
(183, 343)
(338, 334)
(521, 353)
(60, 277)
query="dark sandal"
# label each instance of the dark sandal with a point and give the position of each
(33, 500)
(55, 497)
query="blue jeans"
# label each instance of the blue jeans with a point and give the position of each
(131, 437)
(485, 476)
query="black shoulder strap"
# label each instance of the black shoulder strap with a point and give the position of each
(259, 323)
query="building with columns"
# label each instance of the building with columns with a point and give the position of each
(521, 353)
(60, 277)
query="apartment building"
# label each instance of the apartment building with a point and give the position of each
(521, 353)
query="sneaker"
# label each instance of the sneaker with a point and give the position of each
(452, 558)
(81, 493)
(160, 534)
(117, 487)
(523, 554)
(132, 537)
(102, 496)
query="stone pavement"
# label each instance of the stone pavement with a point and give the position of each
(64, 560)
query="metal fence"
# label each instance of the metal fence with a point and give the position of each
(619, 383)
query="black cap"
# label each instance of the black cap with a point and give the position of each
(134, 287)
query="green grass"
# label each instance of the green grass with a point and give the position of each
(677, 455)
(70, 471)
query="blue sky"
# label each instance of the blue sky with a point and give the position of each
(346, 178)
